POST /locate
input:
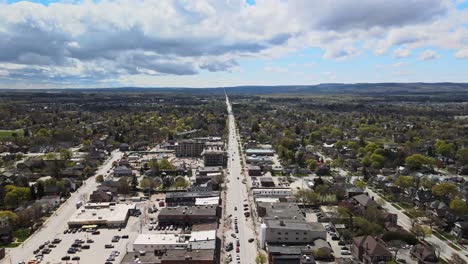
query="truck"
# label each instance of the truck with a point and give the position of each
(79, 204)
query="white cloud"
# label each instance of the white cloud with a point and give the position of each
(462, 54)
(102, 40)
(428, 55)
(400, 53)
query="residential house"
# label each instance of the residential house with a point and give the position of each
(122, 171)
(370, 250)
(100, 196)
(424, 254)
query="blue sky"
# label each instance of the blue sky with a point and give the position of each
(211, 43)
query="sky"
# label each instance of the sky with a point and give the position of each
(215, 43)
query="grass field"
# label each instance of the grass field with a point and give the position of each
(9, 133)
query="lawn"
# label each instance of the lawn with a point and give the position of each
(9, 133)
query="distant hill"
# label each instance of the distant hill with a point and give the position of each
(327, 88)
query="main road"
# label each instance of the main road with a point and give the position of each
(236, 196)
(56, 223)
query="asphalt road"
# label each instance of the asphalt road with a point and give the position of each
(57, 223)
(236, 196)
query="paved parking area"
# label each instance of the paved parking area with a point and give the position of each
(97, 253)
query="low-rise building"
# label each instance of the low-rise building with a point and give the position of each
(122, 171)
(254, 170)
(187, 198)
(203, 256)
(269, 192)
(279, 210)
(259, 152)
(188, 215)
(424, 254)
(292, 231)
(267, 182)
(102, 214)
(368, 249)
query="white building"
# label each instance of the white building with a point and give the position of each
(270, 192)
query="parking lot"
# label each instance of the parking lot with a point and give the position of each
(97, 252)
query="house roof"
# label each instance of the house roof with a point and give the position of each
(371, 246)
(423, 252)
(364, 200)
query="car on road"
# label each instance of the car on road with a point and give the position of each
(235, 208)
(345, 252)
(251, 240)
(233, 235)
(97, 232)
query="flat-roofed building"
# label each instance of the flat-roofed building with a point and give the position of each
(189, 148)
(259, 152)
(207, 201)
(105, 214)
(214, 157)
(292, 231)
(187, 198)
(279, 210)
(267, 182)
(202, 256)
(158, 243)
(272, 192)
(188, 215)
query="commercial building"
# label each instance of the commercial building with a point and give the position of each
(259, 152)
(267, 192)
(214, 157)
(292, 231)
(187, 198)
(205, 171)
(188, 215)
(159, 244)
(189, 148)
(102, 214)
(254, 170)
(279, 210)
(267, 182)
(204, 256)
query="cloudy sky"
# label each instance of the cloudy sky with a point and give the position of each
(212, 43)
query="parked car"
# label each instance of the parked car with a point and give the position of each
(108, 246)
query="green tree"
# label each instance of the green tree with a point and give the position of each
(404, 182)
(65, 154)
(311, 164)
(11, 200)
(445, 189)
(462, 155)
(99, 178)
(459, 206)
(421, 231)
(417, 161)
(9, 215)
(445, 149)
(260, 258)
